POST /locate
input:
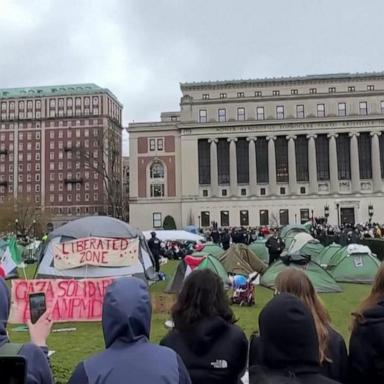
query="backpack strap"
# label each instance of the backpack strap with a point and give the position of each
(10, 349)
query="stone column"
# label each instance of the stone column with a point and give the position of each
(333, 172)
(214, 171)
(376, 167)
(355, 170)
(232, 166)
(252, 166)
(272, 165)
(292, 165)
(312, 163)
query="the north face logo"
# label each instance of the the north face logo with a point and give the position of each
(220, 364)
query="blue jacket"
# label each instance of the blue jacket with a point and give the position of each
(38, 370)
(129, 356)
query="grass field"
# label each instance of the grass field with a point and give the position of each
(72, 347)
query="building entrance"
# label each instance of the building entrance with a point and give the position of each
(347, 215)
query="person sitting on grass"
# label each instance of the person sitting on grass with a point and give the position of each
(129, 357)
(213, 349)
(35, 353)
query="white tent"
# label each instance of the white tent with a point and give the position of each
(95, 227)
(299, 240)
(174, 235)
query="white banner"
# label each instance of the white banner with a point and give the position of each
(98, 251)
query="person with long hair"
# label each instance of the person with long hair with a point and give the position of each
(213, 348)
(366, 345)
(333, 358)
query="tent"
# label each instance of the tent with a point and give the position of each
(99, 228)
(298, 241)
(294, 228)
(213, 249)
(312, 249)
(320, 278)
(192, 229)
(190, 263)
(173, 235)
(260, 250)
(240, 260)
(327, 253)
(354, 263)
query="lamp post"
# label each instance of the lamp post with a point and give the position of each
(326, 213)
(313, 222)
(338, 214)
(370, 212)
(16, 225)
(199, 218)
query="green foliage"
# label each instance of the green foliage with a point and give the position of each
(169, 223)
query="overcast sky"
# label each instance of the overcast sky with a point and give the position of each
(142, 49)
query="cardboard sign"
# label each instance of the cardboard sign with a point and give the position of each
(97, 251)
(67, 299)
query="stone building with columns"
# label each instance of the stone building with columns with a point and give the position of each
(265, 151)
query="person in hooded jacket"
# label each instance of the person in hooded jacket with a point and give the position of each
(289, 348)
(213, 349)
(366, 345)
(129, 357)
(35, 353)
(332, 348)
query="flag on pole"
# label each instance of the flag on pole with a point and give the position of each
(10, 259)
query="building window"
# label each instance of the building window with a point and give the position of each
(275, 93)
(381, 142)
(280, 112)
(204, 158)
(223, 161)
(301, 150)
(382, 106)
(157, 220)
(202, 116)
(260, 113)
(281, 153)
(157, 170)
(370, 87)
(205, 96)
(304, 216)
(351, 89)
(332, 89)
(365, 161)
(244, 218)
(300, 111)
(363, 108)
(157, 190)
(320, 110)
(282, 190)
(322, 157)
(222, 115)
(262, 172)
(294, 91)
(258, 93)
(224, 218)
(302, 190)
(152, 144)
(160, 144)
(242, 160)
(240, 94)
(223, 192)
(284, 216)
(243, 192)
(205, 219)
(223, 95)
(240, 113)
(343, 156)
(312, 90)
(264, 217)
(205, 192)
(342, 109)
(262, 191)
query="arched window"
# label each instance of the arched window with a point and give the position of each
(157, 170)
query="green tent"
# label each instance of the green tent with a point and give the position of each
(239, 259)
(260, 250)
(327, 253)
(213, 249)
(293, 228)
(186, 266)
(354, 263)
(312, 249)
(320, 278)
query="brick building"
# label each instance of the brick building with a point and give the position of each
(57, 143)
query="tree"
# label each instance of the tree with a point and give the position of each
(24, 217)
(105, 158)
(169, 223)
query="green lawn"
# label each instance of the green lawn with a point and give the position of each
(72, 347)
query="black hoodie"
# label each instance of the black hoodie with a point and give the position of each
(214, 351)
(289, 348)
(366, 348)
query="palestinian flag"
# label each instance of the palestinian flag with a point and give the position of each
(10, 259)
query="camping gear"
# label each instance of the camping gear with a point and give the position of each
(354, 263)
(260, 250)
(173, 235)
(327, 253)
(295, 243)
(211, 249)
(95, 227)
(320, 278)
(189, 264)
(289, 230)
(313, 249)
(240, 260)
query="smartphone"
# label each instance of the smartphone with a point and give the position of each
(13, 370)
(37, 306)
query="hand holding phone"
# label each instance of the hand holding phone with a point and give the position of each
(40, 331)
(37, 306)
